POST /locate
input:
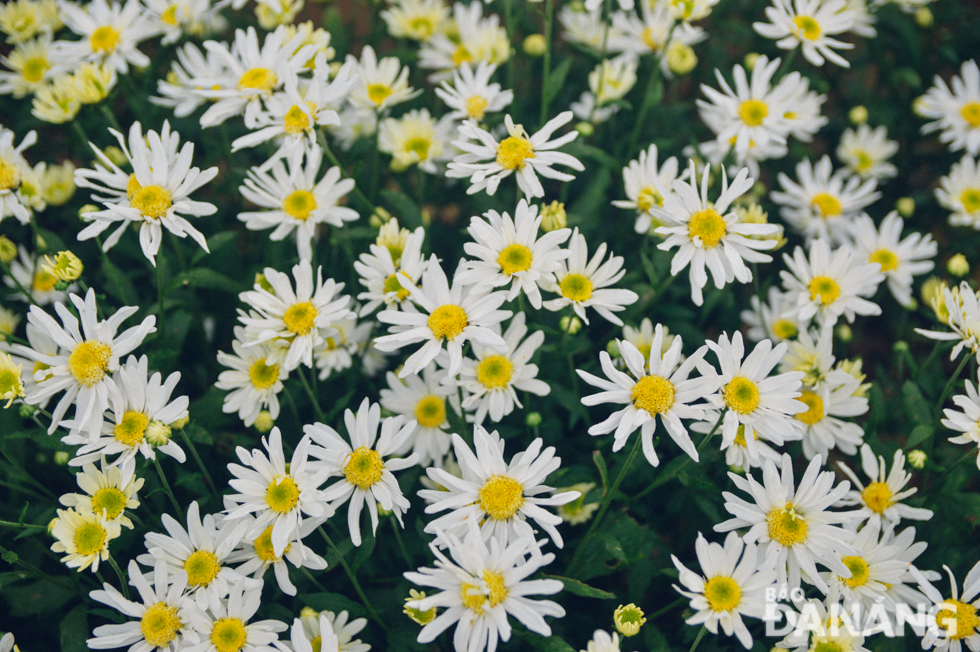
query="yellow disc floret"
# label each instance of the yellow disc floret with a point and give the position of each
(514, 258)
(299, 204)
(109, 501)
(476, 106)
(827, 204)
(648, 198)
(576, 287)
(131, 428)
(753, 112)
(447, 321)
(877, 496)
(282, 495)
(90, 538)
(259, 79)
(364, 467)
(104, 39)
(378, 93)
(785, 329)
(971, 113)
(295, 121)
(741, 395)
(229, 635)
(160, 624)
(34, 69)
(961, 623)
(815, 412)
(722, 593)
(9, 176)
(786, 526)
(89, 362)
(884, 257)
(501, 497)
(859, 571)
(263, 546)
(824, 287)
(262, 375)
(513, 151)
(494, 371)
(708, 225)
(392, 284)
(498, 589)
(202, 567)
(300, 318)
(807, 27)
(152, 201)
(44, 281)
(430, 411)
(654, 394)
(473, 598)
(970, 198)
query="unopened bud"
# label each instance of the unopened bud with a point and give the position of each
(61, 458)
(858, 115)
(958, 265)
(87, 208)
(750, 60)
(628, 619)
(844, 333)
(264, 422)
(570, 325)
(535, 45)
(585, 128)
(26, 411)
(308, 612)
(923, 17)
(905, 206)
(901, 346)
(8, 250)
(180, 423)
(158, 433)
(533, 419)
(681, 58)
(115, 155)
(917, 459)
(553, 216)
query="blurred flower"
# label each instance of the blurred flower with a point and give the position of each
(958, 265)
(866, 152)
(955, 113)
(416, 138)
(418, 20)
(959, 192)
(809, 24)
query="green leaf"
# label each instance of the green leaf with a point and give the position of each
(580, 588)
(556, 80)
(74, 630)
(215, 243)
(920, 433)
(119, 284)
(207, 279)
(36, 598)
(600, 463)
(545, 643)
(407, 211)
(917, 409)
(602, 554)
(364, 551)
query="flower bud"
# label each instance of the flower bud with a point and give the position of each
(858, 115)
(570, 325)
(8, 250)
(905, 206)
(180, 423)
(553, 216)
(66, 266)
(750, 60)
(585, 128)
(115, 155)
(535, 45)
(628, 619)
(158, 433)
(681, 58)
(533, 419)
(917, 459)
(958, 265)
(264, 422)
(923, 17)
(61, 458)
(421, 617)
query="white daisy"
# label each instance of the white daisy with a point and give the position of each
(602, 641)
(653, 31)
(110, 33)
(809, 24)
(900, 259)
(337, 351)
(368, 478)
(823, 623)
(379, 271)
(326, 640)
(84, 538)
(175, 18)
(823, 430)
(381, 84)
(252, 383)
(866, 152)
(418, 20)
(30, 65)
(646, 184)
(109, 492)
(766, 321)
(423, 397)
(179, 89)
(226, 627)
(471, 95)
(417, 138)
(813, 354)
(338, 625)
(12, 165)
(875, 566)
(476, 38)
(901, 592)
(256, 554)
(959, 192)
(498, 496)
(966, 421)
(956, 112)
(961, 309)
(952, 622)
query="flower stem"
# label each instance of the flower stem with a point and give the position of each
(546, 69)
(122, 578)
(40, 574)
(166, 486)
(353, 579)
(200, 465)
(25, 526)
(949, 386)
(401, 542)
(680, 467)
(697, 641)
(311, 394)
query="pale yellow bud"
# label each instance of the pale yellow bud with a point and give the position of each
(264, 422)
(8, 250)
(571, 325)
(958, 265)
(553, 216)
(628, 619)
(585, 128)
(535, 45)
(681, 58)
(923, 17)
(917, 459)
(858, 115)
(115, 155)
(844, 333)
(308, 612)
(61, 458)
(263, 283)
(158, 433)
(750, 60)
(905, 206)
(577, 511)
(421, 617)
(87, 208)
(66, 266)
(180, 423)
(58, 183)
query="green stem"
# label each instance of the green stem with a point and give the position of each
(27, 475)
(949, 385)
(673, 605)
(82, 136)
(40, 574)
(353, 579)
(698, 639)
(509, 20)
(322, 141)
(785, 66)
(122, 578)
(166, 486)
(200, 465)
(311, 394)
(546, 70)
(111, 119)
(680, 467)
(309, 576)
(160, 290)
(25, 526)
(401, 543)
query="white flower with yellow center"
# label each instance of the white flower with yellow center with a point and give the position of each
(381, 84)
(583, 283)
(139, 419)
(732, 586)
(585, 27)
(823, 430)
(900, 259)
(24, 19)
(809, 25)
(327, 623)
(295, 201)
(12, 166)
(29, 65)
(255, 555)
(367, 477)
(790, 523)
(479, 586)
(812, 353)
(38, 341)
(471, 95)
(653, 31)
(292, 322)
(109, 492)
(225, 627)
(379, 271)
(424, 398)
(823, 624)
(418, 20)
(959, 308)
(162, 616)
(498, 496)
(337, 352)
(252, 383)
(706, 236)
(766, 321)
(866, 152)
(57, 101)
(82, 368)
(448, 315)
(750, 397)
(30, 274)
(952, 622)
(416, 138)
(281, 497)
(956, 112)
(487, 162)
(325, 641)
(476, 38)
(110, 34)
(155, 196)
(646, 184)
(11, 383)
(612, 79)
(179, 89)
(491, 380)
(910, 550)
(509, 251)
(967, 420)
(84, 538)
(660, 387)
(823, 203)
(830, 284)
(175, 18)
(880, 501)
(959, 192)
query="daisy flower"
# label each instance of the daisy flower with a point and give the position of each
(471, 95)
(830, 285)
(866, 152)
(642, 338)
(959, 192)
(327, 623)
(952, 622)
(24, 19)
(809, 24)
(900, 259)
(416, 138)
(109, 491)
(509, 251)
(646, 184)
(706, 236)
(955, 112)
(875, 566)
(379, 270)
(476, 38)
(821, 626)
(612, 79)
(491, 381)
(163, 620)
(791, 523)
(29, 272)
(178, 90)
(449, 315)
(966, 421)
(583, 283)
(813, 354)
(12, 166)
(293, 322)
(337, 351)
(766, 321)
(155, 195)
(39, 341)
(225, 626)
(480, 586)
(252, 384)
(960, 307)
(84, 538)
(423, 397)
(418, 20)
(658, 387)
(256, 555)
(29, 66)
(277, 496)
(368, 478)
(498, 496)
(294, 201)
(326, 640)
(381, 84)
(175, 18)
(487, 162)
(901, 592)
(602, 641)
(110, 33)
(732, 587)
(823, 431)
(653, 31)
(11, 383)
(89, 355)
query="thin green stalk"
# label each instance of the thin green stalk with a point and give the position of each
(309, 576)
(680, 467)
(322, 141)
(122, 578)
(20, 287)
(353, 579)
(111, 119)
(673, 605)
(697, 641)
(24, 526)
(27, 475)
(166, 486)
(200, 465)
(311, 394)
(80, 132)
(160, 290)
(40, 574)
(785, 67)
(509, 20)
(546, 70)
(949, 385)
(401, 542)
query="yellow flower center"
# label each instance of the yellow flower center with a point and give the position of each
(741, 395)
(824, 287)
(430, 411)
(576, 287)
(10, 382)
(722, 593)
(296, 122)
(299, 204)
(473, 598)
(971, 113)
(815, 412)
(419, 147)
(460, 55)
(202, 567)
(654, 394)
(34, 69)
(513, 151)
(282, 496)
(364, 467)
(104, 39)
(160, 624)
(827, 646)
(515, 258)
(964, 622)
(378, 93)
(423, 28)
(651, 40)
(300, 317)
(864, 161)
(501, 497)
(89, 362)
(260, 79)
(90, 538)
(262, 375)
(494, 372)
(970, 198)
(884, 257)
(648, 198)
(317, 644)
(786, 527)
(110, 501)
(9, 176)
(785, 329)
(132, 186)
(131, 429)
(877, 496)
(807, 27)
(476, 106)
(708, 225)
(44, 281)
(169, 16)
(152, 201)
(263, 546)
(447, 321)
(753, 112)
(392, 285)
(859, 571)
(827, 204)
(229, 635)
(740, 436)
(498, 590)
